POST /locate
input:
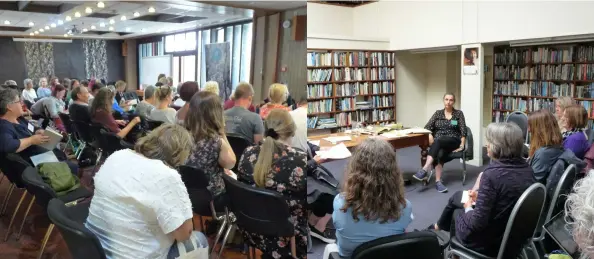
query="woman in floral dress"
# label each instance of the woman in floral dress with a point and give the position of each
(277, 166)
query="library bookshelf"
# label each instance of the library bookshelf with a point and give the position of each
(348, 86)
(531, 78)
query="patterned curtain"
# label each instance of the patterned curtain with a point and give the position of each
(39, 57)
(95, 58)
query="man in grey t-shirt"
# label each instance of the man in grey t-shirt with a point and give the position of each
(241, 122)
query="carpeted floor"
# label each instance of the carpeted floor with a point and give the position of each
(427, 203)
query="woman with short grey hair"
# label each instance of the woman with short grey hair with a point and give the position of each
(580, 208)
(29, 93)
(148, 103)
(478, 218)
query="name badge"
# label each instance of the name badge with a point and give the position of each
(30, 127)
(454, 122)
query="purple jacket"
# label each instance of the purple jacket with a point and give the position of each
(501, 185)
(578, 143)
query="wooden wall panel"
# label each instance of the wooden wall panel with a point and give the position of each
(293, 57)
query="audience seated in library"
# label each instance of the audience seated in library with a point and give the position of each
(276, 166)
(360, 215)
(148, 103)
(163, 112)
(239, 121)
(141, 206)
(448, 134)
(212, 152)
(479, 223)
(575, 139)
(101, 113)
(278, 94)
(186, 91)
(79, 108)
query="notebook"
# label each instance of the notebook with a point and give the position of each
(47, 157)
(560, 231)
(55, 138)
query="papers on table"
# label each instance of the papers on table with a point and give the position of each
(337, 139)
(339, 151)
(404, 132)
(55, 138)
(47, 157)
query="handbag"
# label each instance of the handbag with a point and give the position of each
(58, 176)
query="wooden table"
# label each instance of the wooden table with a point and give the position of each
(411, 140)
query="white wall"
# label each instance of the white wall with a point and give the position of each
(436, 82)
(323, 19)
(410, 89)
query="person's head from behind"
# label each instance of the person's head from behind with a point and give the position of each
(96, 86)
(449, 99)
(59, 91)
(149, 93)
(85, 83)
(67, 83)
(169, 81)
(54, 81)
(120, 86)
(10, 103)
(243, 95)
(75, 83)
(10, 82)
(278, 93)
(160, 76)
(544, 130)
(187, 90)
(164, 94)
(80, 94)
(561, 103)
(579, 212)
(103, 101)
(43, 82)
(205, 116)
(28, 83)
(505, 140)
(280, 129)
(170, 143)
(373, 186)
(575, 116)
(211, 86)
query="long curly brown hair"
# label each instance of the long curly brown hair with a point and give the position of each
(374, 187)
(544, 131)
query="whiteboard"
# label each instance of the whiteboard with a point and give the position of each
(151, 67)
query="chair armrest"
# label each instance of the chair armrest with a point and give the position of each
(334, 255)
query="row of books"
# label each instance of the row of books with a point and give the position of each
(585, 54)
(585, 72)
(584, 91)
(545, 55)
(382, 59)
(512, 56)
(511, 72)
(319, 106)
(350, 89)
(319, 75)
(517, 103)
(351, 74)
(345, 104)
(382, 73)
(319, 59)
(549, 55)
(319, 91)
(537, 72)
(316, 122)
(352, 59)
(382, 101)
(588, 106)
(533, 88)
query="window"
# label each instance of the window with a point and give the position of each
(180, 42)
(246, 52)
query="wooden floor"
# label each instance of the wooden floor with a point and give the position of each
(36, 224)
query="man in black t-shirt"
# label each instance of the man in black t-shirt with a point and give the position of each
(79, 108)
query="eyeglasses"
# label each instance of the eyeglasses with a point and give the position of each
(17, 101)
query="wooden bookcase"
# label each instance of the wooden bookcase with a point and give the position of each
(338, 79)
(531, 78)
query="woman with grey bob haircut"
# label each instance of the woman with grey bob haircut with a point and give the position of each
(505, 140)
(579, 211)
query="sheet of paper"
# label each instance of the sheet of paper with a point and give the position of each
(133, 102)
(337, 139)
(465, 197)
(47, 157)
(315, 142)
(339, 151)
(394, 134)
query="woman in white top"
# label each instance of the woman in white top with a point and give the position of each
(141, 206)
(29, 93)
(163, 112)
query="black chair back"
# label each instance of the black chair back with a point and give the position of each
(35, 185)
(238, 145)
(520, 119)
(83, 131)
(258, 210)
(418, 245)
(13, 165)
(562, 190)
(153, 124)
(81, 242)
(469, 144)
(196, 182)
(95, 130)
(110, 142)
(522, 221)
(67, 122)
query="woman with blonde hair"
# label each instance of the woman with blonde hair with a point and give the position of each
(560, 105)
(43, 90)
(212, 153)
(277, 166)
(278, 94)
(211, 86)
(141, 207)
(163, 112)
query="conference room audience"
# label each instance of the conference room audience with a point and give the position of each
(561, 103)
(574, 138)
(502, 183)
(211, 86)
(17, 135)
(186, 91)
(163, 112)
(277, 93)
(239, 121)
(372, 203)
(448, 135)
(276, 166)
(579, 207)
(212, 152)
(299, 116)
(52, 106)
(29, 93)
(43, 90)
(101, 113)
(141, 207)
(148, 103)
(79, 108)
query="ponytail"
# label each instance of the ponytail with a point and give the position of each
(264, 162)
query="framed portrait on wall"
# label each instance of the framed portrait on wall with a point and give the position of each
(471, 56)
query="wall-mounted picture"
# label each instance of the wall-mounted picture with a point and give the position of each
(470, 61)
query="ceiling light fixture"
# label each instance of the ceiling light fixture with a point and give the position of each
(7, 22)
(136, 14)
(123, 18)
(31, 34)
(65, 34)
(112, 21)
(102, 24)
(47, 27)
(41, 30)
(88, 10)
(100, 5)
(111, 28)
(85, 30)
(53, 25)
(77, 14)
(60, 22)
(93, 27)
(68, 18)
(36, 32)
(31, 24)
(151, 9)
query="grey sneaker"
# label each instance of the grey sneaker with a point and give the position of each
(440, 187)
(421, 175)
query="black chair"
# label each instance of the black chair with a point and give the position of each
(519, 230)
(238, 144)
(43, 193)
(69, 127)
(153, 124)
(196, 182)
(81, 242)
(520, 119)
(464, 155)
(126, 144)
(110, 142)
(12, 166)
(259, 211)
(83, 131)
(28, 103)
(418, 245)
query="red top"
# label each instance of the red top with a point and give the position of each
(106, 119)
(230, 103)
(265, 109)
